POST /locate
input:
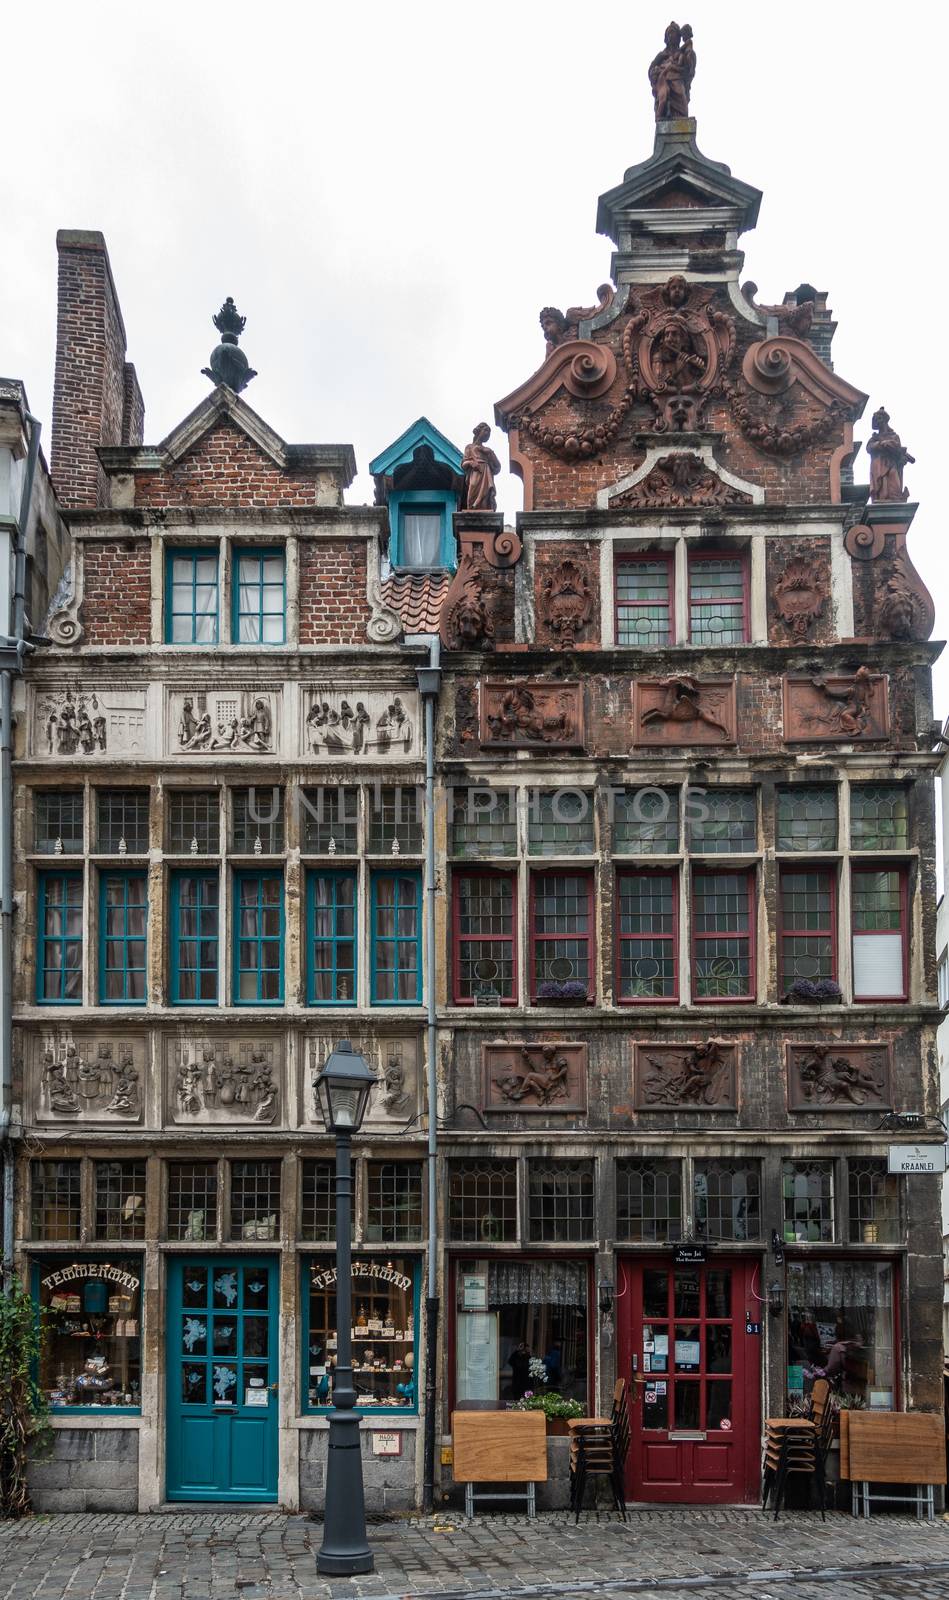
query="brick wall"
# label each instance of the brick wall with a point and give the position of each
(89, 389)
(225, 469)
(116, 607)
(333, 607)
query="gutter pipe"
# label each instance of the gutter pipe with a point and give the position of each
(429, 682)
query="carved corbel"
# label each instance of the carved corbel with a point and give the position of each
(384, 625)
(472, 607)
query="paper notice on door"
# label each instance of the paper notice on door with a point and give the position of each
(256, 1397)
(660, 1388)
(660, 1359)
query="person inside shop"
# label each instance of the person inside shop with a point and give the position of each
(553, 1361)
(519, 1362)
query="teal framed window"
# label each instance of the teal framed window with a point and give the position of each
(260, 597)
(195, 898)
(385, 1310)
(59, 941)
(191, 597)
(123, 919)
(331, 938)
(422, 537)
(90, 1308)
(396, 943)
(258, 939)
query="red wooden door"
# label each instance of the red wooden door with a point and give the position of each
(693, 1371)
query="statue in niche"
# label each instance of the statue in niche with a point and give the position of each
(888, 457)
(697, 1080)
(480, 465)
(395, 1100)
(546, 1081)
(681, 703)
(671, 73)
(827, 1078)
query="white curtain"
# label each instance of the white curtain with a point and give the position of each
(421, 536)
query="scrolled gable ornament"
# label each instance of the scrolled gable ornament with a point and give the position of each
(476, 601)
(586, 371)
(802, 402)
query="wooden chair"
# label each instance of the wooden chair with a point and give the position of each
(799, 1445)
(620, 1421)
(593, 1454)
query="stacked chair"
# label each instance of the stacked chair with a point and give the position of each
(799, 1445)
(598, 1448)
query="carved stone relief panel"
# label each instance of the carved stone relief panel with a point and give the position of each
(849, 1077)
(77, 721)
(686, 1077)
(88, 1078)
(684, 710)
(223, 1078)
(361, 721)
(242, 720)
(543, 1075)
(829, 709)
(532, 716)
(396, 1061)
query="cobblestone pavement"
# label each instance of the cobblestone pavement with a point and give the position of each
(685, 1553)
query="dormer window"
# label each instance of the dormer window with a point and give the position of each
(421, 536)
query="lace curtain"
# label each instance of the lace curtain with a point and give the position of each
(525, 1283)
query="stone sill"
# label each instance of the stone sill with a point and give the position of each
(60, 1420)
(377, 1423)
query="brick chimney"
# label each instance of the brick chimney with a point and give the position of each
(96, 397)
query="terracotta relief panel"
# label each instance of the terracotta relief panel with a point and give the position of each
(88, 1079)
(547, 1075)
(848, 1077)
(566, 595)
(75, 721)
(237, 720)
(684, 710)
(396, 1062)
(799, 591)
(839, 708)
(222, 1079)
(360, 722)
(686, 1077)
(522, 716)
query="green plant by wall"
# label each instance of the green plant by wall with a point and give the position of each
(24, 1415)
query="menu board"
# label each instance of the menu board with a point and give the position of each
(477, 1358)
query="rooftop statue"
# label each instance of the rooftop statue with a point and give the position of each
(229, 365)
(888, 457)
(479, 465)
(671, 73)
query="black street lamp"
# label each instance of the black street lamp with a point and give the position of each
(343, 1089)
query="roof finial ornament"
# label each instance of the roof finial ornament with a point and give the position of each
(229, 365)
(671, 73)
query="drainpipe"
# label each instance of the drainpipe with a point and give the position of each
(429, 680)
(12, 663)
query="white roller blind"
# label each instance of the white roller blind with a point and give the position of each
(878, 965)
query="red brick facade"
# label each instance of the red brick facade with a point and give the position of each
(333, 608)
(225, 468)
(116, 605)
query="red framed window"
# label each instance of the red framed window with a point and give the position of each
(807, 925)
(646, 936)
(484, 906)
(723, 935)
(879, 904)
(561, 936)
(718, 598)
(644, 609)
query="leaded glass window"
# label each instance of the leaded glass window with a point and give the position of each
(807, 926)
(482, 1201)
(122, 821)
(560, 1201)
(808, 1188)
(330, 821)
(807, 818)
(648, 1201)
(647, 968)
(562, 934)
(879, 817)
(395, 821)
(728, 1200)
(485, 968)
(257, 820)
(560, 823)
(722, 821)
(722, 928)
(393, 1201)
(484, 822)
(192, 1200)
(717, 600)
(874, 1202)
(646, 822)
(194, 822)
(318, 1210)
(644, 600)
(120, 1199)
(57, 827)
(55, 1206)
(255, 1199)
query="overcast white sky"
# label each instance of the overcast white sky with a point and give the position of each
(391, 193)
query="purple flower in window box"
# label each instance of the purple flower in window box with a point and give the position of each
(824, 992)
(567, 993)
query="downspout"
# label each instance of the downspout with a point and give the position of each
(6, 848)
(429, 680)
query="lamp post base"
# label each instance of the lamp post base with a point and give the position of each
(345, 1550)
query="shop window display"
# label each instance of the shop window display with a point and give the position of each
(384, 1338)
(91, 1317)
(841, 1325)
(521, 1327)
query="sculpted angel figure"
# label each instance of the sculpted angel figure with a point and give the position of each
(682, 702)
(671, 73)
(888, 457)
(479, 465)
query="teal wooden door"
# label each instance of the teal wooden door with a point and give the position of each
(222, 1379)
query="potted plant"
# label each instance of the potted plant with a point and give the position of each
(556, 1409)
